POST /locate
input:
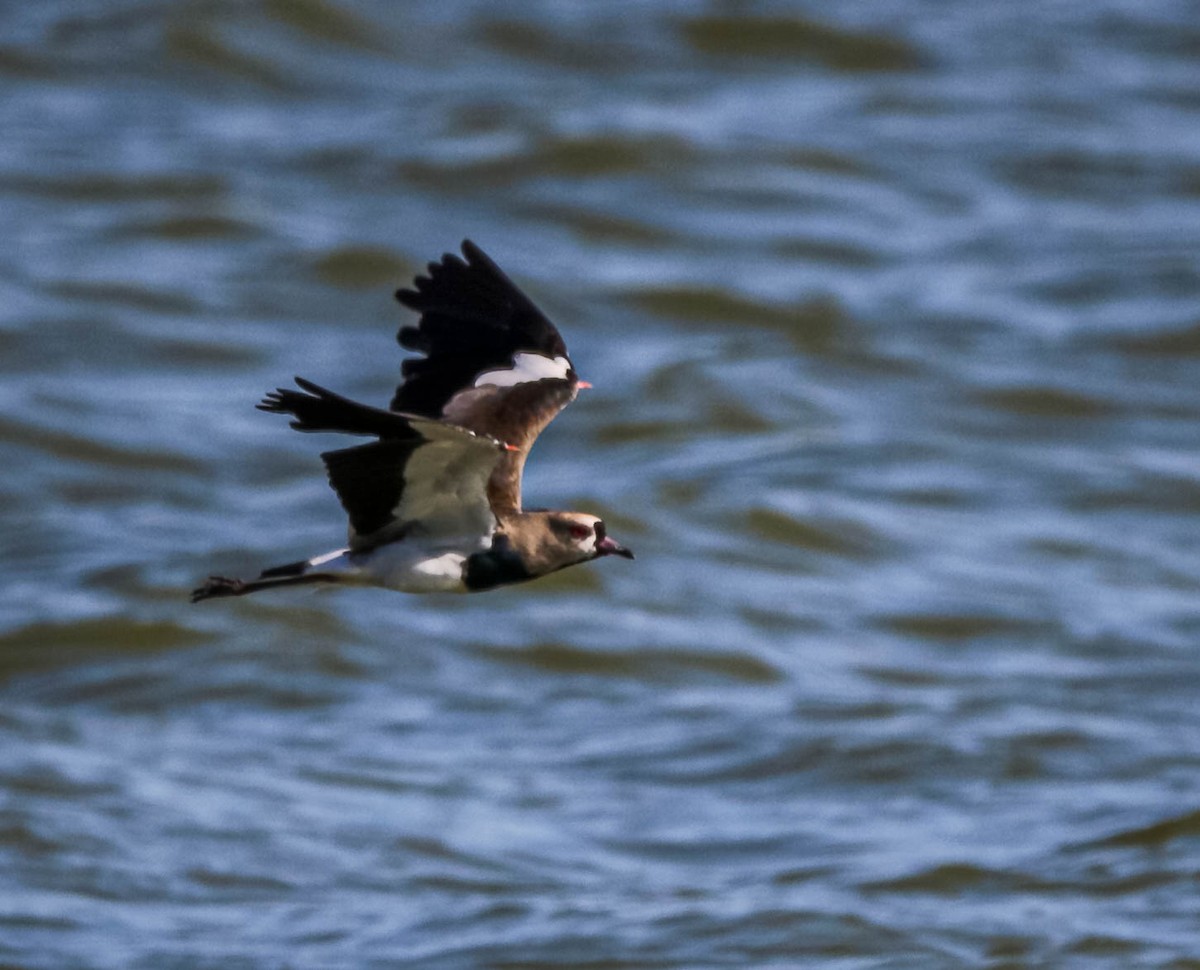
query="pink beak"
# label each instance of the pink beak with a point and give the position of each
(607, 547)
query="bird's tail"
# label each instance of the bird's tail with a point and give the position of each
(293, 574)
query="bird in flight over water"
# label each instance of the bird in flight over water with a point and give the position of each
(435, 501)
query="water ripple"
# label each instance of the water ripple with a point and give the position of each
(891, 319)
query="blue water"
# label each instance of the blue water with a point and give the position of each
(891, 313)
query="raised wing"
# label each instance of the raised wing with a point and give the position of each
(424, 477)
(492, 361)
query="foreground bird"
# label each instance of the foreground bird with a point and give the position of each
(435, 502)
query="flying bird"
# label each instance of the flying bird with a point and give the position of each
(435, 501)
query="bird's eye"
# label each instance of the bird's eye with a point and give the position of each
(580, 531)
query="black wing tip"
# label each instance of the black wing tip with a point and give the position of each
(272, 402)
(416, 295)
(316, 408)
(276, 401)
(472, 257)
(307, 385)
(480, 261)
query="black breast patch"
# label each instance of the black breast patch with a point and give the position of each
(498, 566)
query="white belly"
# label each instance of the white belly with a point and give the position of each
(412, 569)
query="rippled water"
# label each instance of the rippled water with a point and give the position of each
(892, 316)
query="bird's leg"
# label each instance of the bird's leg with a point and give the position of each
(217, 586)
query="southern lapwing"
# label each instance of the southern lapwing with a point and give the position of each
(435, 502)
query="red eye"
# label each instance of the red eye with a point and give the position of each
(580, 531)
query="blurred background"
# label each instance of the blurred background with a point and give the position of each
(892, 316)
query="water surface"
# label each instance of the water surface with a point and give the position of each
(892, 320)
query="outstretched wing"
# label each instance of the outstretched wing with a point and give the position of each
(492, 361)
(423, 477)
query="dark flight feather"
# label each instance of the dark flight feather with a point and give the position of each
(322, 410)
(369, 481)
(473, 319)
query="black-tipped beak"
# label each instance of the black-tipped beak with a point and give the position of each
(607, 547)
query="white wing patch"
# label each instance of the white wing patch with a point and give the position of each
(327, 557)
(526, 367)
(441, 572)
(445, 483)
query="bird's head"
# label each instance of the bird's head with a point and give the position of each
(561, 539)
(587, 536)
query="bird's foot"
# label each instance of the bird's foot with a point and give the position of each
(218, 586)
